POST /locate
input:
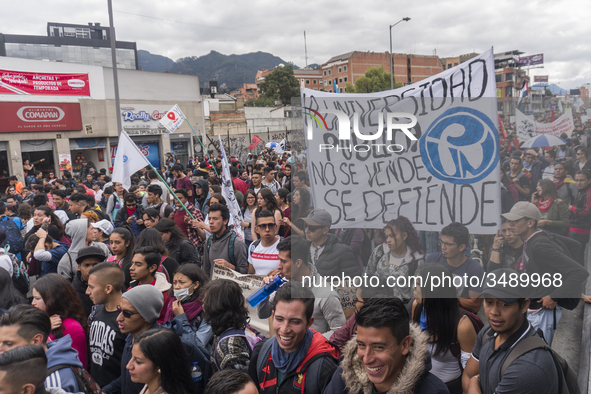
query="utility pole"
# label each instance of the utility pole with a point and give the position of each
(114, 59)
(406, 19)
(306, 48)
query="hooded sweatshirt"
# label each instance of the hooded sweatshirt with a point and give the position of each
(76, 230)
(60, 352)
(414, 376)
(201, 201)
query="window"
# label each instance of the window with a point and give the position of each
(340, 80)
(500, 106)
(345, 79)
(314, 82)
(449, 66)
(330, 90)
(345, 68)
(499, 78)
(325, 73)
(508, 91)
(329, 72)
(340, 69)
(455, 64)
(330, 81)
(509, 77)
(307, 81)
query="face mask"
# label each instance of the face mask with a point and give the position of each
(182, 294)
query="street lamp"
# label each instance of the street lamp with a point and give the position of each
(391, 65)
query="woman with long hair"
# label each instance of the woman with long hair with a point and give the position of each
(55, 295)
(178, 245)
(185, 312)
(451, 331)
(554, 210)
(266, 201)
(9, 296)
(160, 362)
(151, 237)
(224, 307)
(116, 201)
(300, 208)
(284, 205)
(250, 169)
(150, 217)
(122, 244)
(24, 212)
(249, 206)
(401, 255)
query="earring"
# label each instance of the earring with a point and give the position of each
(159, 370)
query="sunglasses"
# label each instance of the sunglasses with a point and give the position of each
(126, 314)
(130, 205)
(266, 226)
(314, 228)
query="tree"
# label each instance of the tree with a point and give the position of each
(280, 85)
(374, 80)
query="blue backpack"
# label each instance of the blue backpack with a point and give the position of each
(13, 235)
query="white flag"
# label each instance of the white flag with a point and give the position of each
(228, 193)
(579, 102)
(560, 106)
(128, 160)
(173, 119)
(280, 148)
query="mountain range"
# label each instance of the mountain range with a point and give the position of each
(231, 71)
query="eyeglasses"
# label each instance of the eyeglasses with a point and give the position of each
(126, 314)
(446, 244)
(356, 300)
(266, 226)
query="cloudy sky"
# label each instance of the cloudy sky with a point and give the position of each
(180, 28)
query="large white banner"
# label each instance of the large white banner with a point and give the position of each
(528, 128)
(428, 151)
(228, 193)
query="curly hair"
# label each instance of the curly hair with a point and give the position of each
(402, 224)
(91, 216)
(224, 305)
(61, 299)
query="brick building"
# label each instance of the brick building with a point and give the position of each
(509, 78)
(349, 67)
(248, 91)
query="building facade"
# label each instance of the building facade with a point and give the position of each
(77, 120)
(80, 44)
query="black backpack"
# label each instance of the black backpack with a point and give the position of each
(570, 248)
(567, 379)
(13, 235)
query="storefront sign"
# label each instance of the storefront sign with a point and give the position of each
(149, 149)
(23, 117)
(19, 82)
(141, 119)
(87, 143)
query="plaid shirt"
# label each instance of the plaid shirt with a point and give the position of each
(190, 231)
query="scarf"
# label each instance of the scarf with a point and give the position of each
(544, 205)
(192, 309)
(288, 362)
(527, 167)
(131, 211)
(559, 181)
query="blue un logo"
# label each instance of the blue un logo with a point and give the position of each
(461, 146)
(125, 158)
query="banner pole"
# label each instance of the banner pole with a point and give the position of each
(171, 191)
(198, 139)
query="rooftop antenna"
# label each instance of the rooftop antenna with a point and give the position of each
(305, 48)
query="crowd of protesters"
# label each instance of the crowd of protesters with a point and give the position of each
(111, 290)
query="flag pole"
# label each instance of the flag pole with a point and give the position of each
(170, 190)
(159, 176)
(199, 139)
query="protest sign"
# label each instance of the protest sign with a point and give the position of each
(249, 284)
(228, 193)
(434, 157)
(528, 128)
